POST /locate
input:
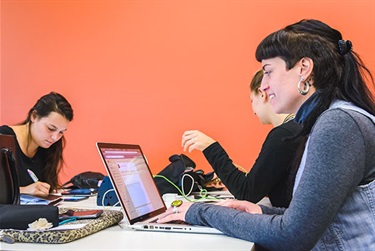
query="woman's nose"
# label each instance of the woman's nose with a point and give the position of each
(55, 136)
(263, 85)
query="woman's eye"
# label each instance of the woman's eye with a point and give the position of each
(51, 129)
(266, 73)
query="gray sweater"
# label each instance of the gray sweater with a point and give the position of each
(341, 155)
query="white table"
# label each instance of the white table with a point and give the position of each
(117, 238)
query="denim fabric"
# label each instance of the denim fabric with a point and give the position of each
(350, 228)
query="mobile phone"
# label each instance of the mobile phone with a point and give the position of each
(85, 214)
(75, 198)
(80, 191)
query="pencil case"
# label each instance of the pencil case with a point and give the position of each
(87, 227)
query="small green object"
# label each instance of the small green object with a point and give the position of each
(176, 203)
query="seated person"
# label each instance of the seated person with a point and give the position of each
(271, 174)
(311, 71)
(40, 142)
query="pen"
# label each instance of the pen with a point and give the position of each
(32, 175)
(67, 220)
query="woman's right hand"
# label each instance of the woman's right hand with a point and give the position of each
(195, 140)
(38, 188)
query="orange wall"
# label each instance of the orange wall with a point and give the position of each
(0, 62)
(145, 71)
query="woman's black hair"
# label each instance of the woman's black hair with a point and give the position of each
(338, 71)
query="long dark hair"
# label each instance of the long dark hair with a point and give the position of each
(338, 72)
(52, 102)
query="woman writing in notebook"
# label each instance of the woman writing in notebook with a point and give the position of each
(311, 71)
(40, 142)
(271, 173)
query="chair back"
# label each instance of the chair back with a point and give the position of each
(9, 184)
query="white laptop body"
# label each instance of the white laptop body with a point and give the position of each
(136, 190)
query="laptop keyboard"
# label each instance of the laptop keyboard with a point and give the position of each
(172, 222)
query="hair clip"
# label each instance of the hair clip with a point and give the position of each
(344, 46)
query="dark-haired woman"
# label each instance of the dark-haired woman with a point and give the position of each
(40, 142)
(311, 71)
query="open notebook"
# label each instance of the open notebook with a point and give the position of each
(135, 187)
(51, 199)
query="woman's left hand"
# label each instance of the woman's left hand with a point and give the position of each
(177, 214)
(241, 205)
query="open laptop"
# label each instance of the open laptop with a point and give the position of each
(136, 190)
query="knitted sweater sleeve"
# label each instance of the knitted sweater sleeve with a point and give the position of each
(334, 167)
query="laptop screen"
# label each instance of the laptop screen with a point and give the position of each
(132, 180)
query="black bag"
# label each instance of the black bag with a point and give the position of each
(13, 215)
(181, 173)
(9, 185)
(20, 216)
(85, 180)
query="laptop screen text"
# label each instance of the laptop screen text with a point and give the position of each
(135, 186)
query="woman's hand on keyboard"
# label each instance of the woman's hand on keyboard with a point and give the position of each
(177, 213)
(241, 205)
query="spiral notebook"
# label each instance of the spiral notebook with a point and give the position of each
(135, 187)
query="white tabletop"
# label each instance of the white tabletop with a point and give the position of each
(117, 238)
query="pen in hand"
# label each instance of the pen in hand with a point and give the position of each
(37, 188)
(32, 175)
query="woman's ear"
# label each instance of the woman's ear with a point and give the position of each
(307, 66)
(33, 116)
(263, 95)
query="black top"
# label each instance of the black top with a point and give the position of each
(270, 175)
(35, 164)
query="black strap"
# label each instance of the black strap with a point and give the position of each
(10, 162)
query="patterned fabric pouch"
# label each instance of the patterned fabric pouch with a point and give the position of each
(84, 228)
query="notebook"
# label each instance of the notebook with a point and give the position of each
(135, 188)
(51, 199)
